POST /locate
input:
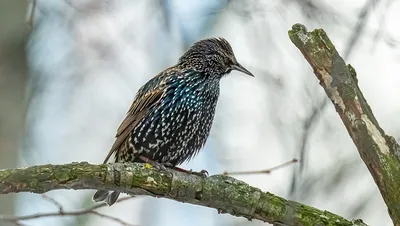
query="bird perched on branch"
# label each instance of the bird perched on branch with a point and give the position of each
(171, 116)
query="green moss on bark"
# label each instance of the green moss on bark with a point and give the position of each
(225, 194)
(340, 83)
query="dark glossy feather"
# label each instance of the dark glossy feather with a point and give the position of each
(147, 96)
(171, 116)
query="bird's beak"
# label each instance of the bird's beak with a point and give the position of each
(239, 67)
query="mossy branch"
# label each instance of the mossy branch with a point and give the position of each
(380, 152)
(223, 193)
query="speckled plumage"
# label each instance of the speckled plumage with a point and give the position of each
(172, 114)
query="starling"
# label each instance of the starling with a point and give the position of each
(171, 115)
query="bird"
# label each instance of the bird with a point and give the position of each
(171, 115)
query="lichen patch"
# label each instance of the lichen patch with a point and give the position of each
(151, 180)
(376, 135)
(304, 38)
(335, 96)
(358, 105)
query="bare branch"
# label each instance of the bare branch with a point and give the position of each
(313, 118)
(267, 171)
(223, 193)
(54, 202)
(17, 220)
(379, 151)
(30, 13)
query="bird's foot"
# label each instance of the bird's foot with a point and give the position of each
(153, 163)
(202, 173)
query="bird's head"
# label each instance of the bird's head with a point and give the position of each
(213, 56)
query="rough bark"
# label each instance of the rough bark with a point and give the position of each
(223, 193)
(380, 152)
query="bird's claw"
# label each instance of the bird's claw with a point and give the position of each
(159, 166)
(155, 164)
(202, 173)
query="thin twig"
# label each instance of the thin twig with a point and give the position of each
(359, 28)
(61, 212)
(267, 171)
(53, 201)
(30, 13)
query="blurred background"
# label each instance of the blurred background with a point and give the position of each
(69, 70)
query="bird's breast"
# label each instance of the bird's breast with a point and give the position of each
(178, 126)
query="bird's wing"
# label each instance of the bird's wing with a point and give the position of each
(146, 97)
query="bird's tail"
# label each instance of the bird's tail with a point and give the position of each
(108, 197)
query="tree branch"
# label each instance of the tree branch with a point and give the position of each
(61, 212)
(380, 152)
(220, 192)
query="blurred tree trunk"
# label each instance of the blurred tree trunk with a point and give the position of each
(13, 75)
